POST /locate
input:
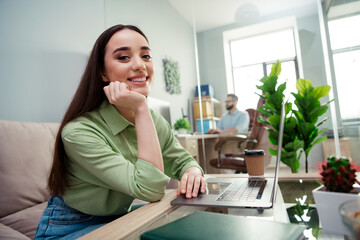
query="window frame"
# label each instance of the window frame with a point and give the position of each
(260, 29)
(345, 121)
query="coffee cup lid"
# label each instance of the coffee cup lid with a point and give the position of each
(254, 152)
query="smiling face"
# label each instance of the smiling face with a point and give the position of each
(127, 59)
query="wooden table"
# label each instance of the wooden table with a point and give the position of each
(152, 215)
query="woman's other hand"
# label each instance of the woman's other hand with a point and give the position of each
(191, 182)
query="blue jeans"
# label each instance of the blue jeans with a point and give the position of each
(59, 221)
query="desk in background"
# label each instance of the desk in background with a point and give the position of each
(195, 145)
(328, 147)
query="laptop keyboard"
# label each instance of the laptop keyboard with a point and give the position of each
(243, 191)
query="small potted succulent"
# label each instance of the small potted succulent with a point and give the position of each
(338, 175)
(338, 178)
(182, 125)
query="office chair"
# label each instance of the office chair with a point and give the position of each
(251, 113)
(258, 139)
(233, 161)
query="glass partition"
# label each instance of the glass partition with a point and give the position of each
(343, 51)
(219, 52)
(205, 37)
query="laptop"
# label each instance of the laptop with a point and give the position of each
(257, 193)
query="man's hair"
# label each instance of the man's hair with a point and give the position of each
(233, 97)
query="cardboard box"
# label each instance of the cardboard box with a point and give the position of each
(205, 90)
(207, 109)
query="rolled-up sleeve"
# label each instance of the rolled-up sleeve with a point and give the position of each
(176, 159)
(149, 182)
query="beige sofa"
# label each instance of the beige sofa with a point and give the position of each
(25, 159)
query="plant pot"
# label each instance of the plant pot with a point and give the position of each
(327, 205)
(182, 131)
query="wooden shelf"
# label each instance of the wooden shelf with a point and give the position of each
(211, 112)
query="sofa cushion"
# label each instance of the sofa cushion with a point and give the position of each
(25, 221)
(25, 159)
(10, 234)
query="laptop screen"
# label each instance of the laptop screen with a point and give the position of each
(279, 149)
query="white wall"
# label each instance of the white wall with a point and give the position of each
(43, 50)
(44, 47)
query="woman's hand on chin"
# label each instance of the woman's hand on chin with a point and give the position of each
(119, 94)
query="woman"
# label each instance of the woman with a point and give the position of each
(110, 147)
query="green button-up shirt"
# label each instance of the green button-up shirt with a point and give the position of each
(104, 171)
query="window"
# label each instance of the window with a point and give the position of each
(246, 78)
(345, 45)
(251, 57)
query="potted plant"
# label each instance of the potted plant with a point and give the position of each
(301, 125)
(307, 100)
(271, 110)
(182, 125)
(338, 178)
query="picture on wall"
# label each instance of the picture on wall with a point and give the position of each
(172, 76)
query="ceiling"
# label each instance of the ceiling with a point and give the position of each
(209, 14)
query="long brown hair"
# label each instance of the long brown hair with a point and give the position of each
(88, 96)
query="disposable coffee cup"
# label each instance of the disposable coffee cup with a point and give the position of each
(254, 160)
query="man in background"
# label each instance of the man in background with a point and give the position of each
(233, 121)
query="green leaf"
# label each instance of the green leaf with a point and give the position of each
(299, 116)
(264, 111)
(310, 145)
(294, 146)
(272, 151)
(276, 69)
(275, 120)
(281, 87)
(260, 95)
(319, 140)
(321, 122)
(332, 100)
(296, 96)
(264, 79)
(288, 107)
(263, 120)
(317, 112)
(306, 130)
(269, 84)
(300, 152)
(288, 155)
(322, 131)
(320, 91)
(289, 158)
(273, 136)
(290, 123)
(289, 146)
(302, 85)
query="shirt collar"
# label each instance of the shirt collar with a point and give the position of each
(113, 118)
(236, 110)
